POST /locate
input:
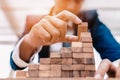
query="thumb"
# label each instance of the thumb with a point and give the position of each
(118, 71)
(71, 38)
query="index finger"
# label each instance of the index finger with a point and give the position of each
(118, 71)
(68, 16)
(104, 67)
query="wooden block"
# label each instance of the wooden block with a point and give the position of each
(90, 67)
(33, 73)
(90, 73)
(87, 74)
(44, 60)
(67, 74)
(83, 55)
(70, 73)
(76, 73)
(55, 71)
(85, 34)
(21, 74)
(83, 61)
(82, 73)
(73, 67)
(82, 28)
(44, 73)
(76, 44)
(88, 49)
(33, 67)
(76, 47)
(86, 37)
(56, 61)
(66, 52)
(67, 61)
(87, 45)
(44, 67)
(67, 67)
(90, 61)
(55, 55)
(78, 60)
(78, 67)
(55, 67)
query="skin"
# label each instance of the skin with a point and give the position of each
(106, 66)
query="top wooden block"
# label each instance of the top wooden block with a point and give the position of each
(82, 28)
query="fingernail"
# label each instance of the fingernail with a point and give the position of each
(78, 20)
(98, 76)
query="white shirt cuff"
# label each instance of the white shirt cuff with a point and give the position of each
(16, 58)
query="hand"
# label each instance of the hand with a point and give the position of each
(107, 67)
(52, 29)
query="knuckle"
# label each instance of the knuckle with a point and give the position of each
(64, 24)
(35, 27)
(47, 36)
(106, 61)
(56, 33)
(43, 21)
(64, 11)
(53, 19)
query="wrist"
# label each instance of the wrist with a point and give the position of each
(31, 41)
(26, 49)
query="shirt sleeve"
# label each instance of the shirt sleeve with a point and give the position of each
(104, 42)
(16, 62)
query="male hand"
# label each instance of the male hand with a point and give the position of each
(107, 67)
(52, 29)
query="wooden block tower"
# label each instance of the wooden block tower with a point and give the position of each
(75, 61)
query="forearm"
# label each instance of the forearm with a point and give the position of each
(26, 50)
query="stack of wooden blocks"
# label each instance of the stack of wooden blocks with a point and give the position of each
(75, 61)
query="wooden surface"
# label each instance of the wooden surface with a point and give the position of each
(58, 79)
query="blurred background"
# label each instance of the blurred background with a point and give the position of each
(13, 15)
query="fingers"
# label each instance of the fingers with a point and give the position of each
(60, 25)
(54, 32)
(66, 16)
(52, 29)
(104, 67)
(112, 71)
(71, 38)
(38, 35)
(118, 71)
